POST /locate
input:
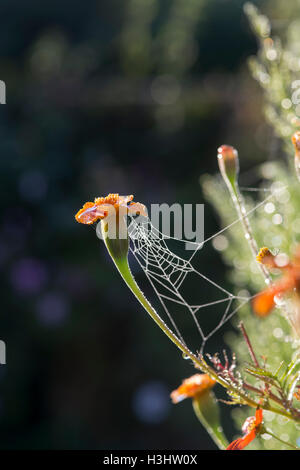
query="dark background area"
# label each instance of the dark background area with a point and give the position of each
(106, 96)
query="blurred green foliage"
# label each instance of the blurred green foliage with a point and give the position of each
(107, 96)
(275, 223)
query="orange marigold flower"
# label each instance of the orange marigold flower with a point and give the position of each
(264, 302)
(192, 387)
(297, 394)
(296, 141)
(102, 206)
(251, 428)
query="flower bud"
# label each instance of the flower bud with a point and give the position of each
(228, 163)
(296, 142)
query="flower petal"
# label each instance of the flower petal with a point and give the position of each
(242, 442)
(136, 208)
(192, 387)
(263, 303)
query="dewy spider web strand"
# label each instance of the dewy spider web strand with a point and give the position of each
(167, 272)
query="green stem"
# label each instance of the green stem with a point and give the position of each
(242, 213)
(118, 250)
(124, 269)
(206, 410)
(266, 431)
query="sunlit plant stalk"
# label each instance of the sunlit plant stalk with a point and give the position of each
(296, 142)
(117, 244)
(229, 168)
(118, 250)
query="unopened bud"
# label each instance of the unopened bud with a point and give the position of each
(296, 142)
(228, 163)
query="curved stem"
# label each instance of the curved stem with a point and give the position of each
(124, 270)
(202, 407)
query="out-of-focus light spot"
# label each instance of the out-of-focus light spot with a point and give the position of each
(268, 170)
(284, 437)
(243, 293)
(266, 436)
(264, 77)
(277, 219)
(283, 196)
(286, 103)
(52, 309)
(29, 275)
(286, 130)
(48, 53)
(298, 442)
(282, 260)
(220, 243)
(282, 420)
(33, 186)
(277, 333)
(151, 402)
(268, 416)
(165, 89)
(297, 110)
(271, 54)
(269, 208)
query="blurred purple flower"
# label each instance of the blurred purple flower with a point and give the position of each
(29, 275)
(151, 402)
(52, 309)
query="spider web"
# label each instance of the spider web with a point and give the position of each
(169, 274)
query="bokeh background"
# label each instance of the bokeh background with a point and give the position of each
(127, 96)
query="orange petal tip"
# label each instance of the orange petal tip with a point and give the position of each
(296, 141)
(192, 387)
(263, 303)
